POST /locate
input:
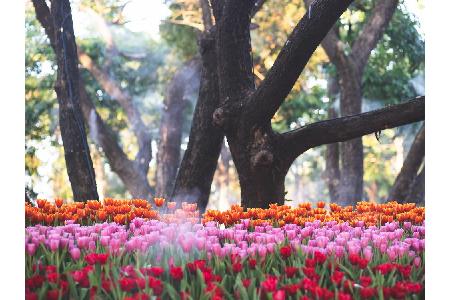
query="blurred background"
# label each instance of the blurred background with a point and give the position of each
(146, 51)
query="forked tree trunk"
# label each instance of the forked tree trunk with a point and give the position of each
(76, 150)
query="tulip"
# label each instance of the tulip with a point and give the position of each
(417, 261)
(54, 244)
(31, 248)
(75, 253)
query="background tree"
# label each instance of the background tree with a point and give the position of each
(76, 150)
(110, 80)
(408, 176)
(401, 49)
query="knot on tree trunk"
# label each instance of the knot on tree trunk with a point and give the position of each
(263, 158)
(219, 117)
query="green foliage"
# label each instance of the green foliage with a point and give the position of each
(398, 57)
(181, 38)
(301, 108)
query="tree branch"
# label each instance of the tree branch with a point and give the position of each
(134, 117)
(44, 17)
(129, 171)
(347, 128)
(372, 31)
(293, 58)
(333, 46)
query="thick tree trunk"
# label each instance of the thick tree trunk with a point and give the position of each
(76, 150)
(352, 157)
(416, 192)
(261, 164)
(193, 182)
(332, 151)
(170, 130)
(411, 165)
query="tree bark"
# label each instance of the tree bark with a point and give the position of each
(332, 151)
(417, 190)
(352, 155)
(411, 165)
(170, 130)
(76, 150)
(193, 182)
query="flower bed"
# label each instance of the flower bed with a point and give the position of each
(145, 258)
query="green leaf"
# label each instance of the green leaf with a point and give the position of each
(168, 288)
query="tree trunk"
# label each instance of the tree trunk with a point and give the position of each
(170, 130)
(193, 182)
(332, 151)
(416, 192)
(352, 157)
(99, 167)
(261, 165)
(132, 174)
(411, 165)
(76, 151)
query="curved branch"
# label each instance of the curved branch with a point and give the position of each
(373, 30)
(347, 128)
(293, 58)
(128, 171)
(125, 100)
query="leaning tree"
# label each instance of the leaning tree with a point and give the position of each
(230, 105)
(67, 87)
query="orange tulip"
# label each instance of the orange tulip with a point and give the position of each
(159, 201)
(59, 202)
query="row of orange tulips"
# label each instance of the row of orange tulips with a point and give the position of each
(110, 210)
(367, 212)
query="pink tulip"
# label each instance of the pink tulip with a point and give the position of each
(417, 261)
(54, 244)
(75, 253)
(31, 249)
(368, 254)
(262, 250)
